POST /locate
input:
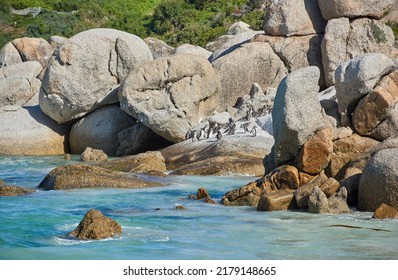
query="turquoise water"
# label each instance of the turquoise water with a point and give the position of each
(36, 226)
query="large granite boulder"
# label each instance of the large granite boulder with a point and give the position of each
(79, 176)
(355, 8)
(345, 39)
(378, 183)
(28, 69)
(238, 27)
(250, 63)
(170, 94)
(96, 226)
(356, 78)
(14, 190)
(28, 131)
(9, 55)
(83, 73)
(18, 90)
(293, 17)
(296, 115)
(99, 130)
(33, 49)
(158, 47)
(191, 49)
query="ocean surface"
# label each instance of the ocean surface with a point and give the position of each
(37, 226)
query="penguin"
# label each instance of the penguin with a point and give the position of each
(253, 132)
(231, 129)
(249, 114)
(209, 133)
(245, 127)
(201, 134)
(219, 135)
(188, 134)
(194, 135)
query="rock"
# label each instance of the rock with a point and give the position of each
(209, 200)
(194, 50)
(378, 183)
(251, 63)
(233, 154)
(351, 183)
(158, 47)
(213, 46)
(99, 130)
(18, 90)
(34, 49)
(141, 163)
(14, 190)
(342, 132)
(385, 212)
(374, 107)
(1, 182)
(248, 195)
(9, 55)
(334, 47)
(370, 36)
(56, 41)
(344, 151)
(79, 176)
(202, 193)
(330, 186)
(90, 155)
(285, 177)
(28, 69)
(297, 51)
(139, 139)
(356, 78)
(318, 202)
(355, 8)
(238, 27)
(156, 94)
(293, 17)
(302, 194)
(296, 115)
(388, 128)
(27, 131)
(232, 43)
(315, 154)
(83, 74)
(277, 201)
(96, 226)
(181, 207)
(338, 202)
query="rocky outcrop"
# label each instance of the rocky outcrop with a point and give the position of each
(251, 63)
(378, 183)
(99, 130)
(296, 115)
(158, 47)
(80, 176)
(355, 8)
(18, 90)
(14, 190)
(83, 73)
(356, 78)
(92, 155)
(293, 17)
(277, 201)
(148, 162)
(27, 131)
(171, 94)
(96, 226)
(336, 204)
(248, 195)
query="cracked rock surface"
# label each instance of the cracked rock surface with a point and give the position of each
(170, 94)
(83, 74)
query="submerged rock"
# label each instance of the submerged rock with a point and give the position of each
(96, 226)
(78, 176)
(13, 190)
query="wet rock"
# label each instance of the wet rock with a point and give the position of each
(99, 130)
(209, 200)
(96, 226)
(385, 212)
(202, 193)
(181, 207)
(80, 176)
(13, 190)
(317, 202)
(277, 201)
(92, 155)
(248, 195)
(160, 101)
(302, 194)
(84, 73)
(27, 131)
(338, 202)
(378, 182)
(140, 163)
(316, 152)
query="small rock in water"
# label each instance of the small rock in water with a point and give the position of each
(385, 212)
(96, 226)
(13, 190)
(202, 193)
(181, 207)
(90, 155)
(209, 200)
(67, 157)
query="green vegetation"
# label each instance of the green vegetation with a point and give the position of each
(174, 21)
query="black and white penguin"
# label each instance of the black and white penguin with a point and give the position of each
(231, 129)
(253, 132)
(188, 134)
(219, 135)
(194, 135)
(202, 134)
